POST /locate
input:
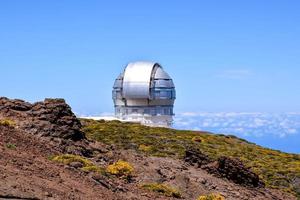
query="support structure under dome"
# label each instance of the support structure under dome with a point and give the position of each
(145, 93)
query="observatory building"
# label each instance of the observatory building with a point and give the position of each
(144, 93)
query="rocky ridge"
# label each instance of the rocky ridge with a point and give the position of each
(50, 118)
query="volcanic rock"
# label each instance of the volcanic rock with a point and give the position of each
(195, 157)
(50, 118)
(234, 170)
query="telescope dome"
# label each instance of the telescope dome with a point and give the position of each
(144, 92)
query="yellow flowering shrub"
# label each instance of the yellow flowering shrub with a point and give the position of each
(197, 139)
(120, 168)
(7, 122)
(211, 197)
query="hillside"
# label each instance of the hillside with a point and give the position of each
(276, 169)
(47, 153)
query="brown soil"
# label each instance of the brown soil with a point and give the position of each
(27, 173)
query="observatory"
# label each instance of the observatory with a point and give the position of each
(144, 93)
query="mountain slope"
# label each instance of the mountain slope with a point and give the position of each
(277, 169)
(47, 153)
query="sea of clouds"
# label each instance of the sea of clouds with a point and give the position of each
(241, 123)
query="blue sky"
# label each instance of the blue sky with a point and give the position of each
(224, 56)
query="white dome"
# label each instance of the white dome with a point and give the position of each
(143, 89)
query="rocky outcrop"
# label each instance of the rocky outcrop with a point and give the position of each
(13, 104)
(234, 170)
(50, 118)
(195, 157)
(225, 167)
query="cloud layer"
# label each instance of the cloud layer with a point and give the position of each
(243, 124)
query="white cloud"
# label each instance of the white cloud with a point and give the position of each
(258, 122)
(245, 124)
(107, 114)
(104, 115)
(205, 124)
(189, 114)
(291, 130)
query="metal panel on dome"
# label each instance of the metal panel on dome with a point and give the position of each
(162, 83)
(161, 74)
(118, 83)
(136, 81)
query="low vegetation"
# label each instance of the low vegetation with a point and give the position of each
(11, 146)
(120, 168)
(145, 148)
(162, 189)
(93, 168)
(211, 197)
(87, 165)
(69, 158)
(7, 123)
(277, 169)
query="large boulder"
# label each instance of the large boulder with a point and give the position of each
(49, 118)
(9, 106)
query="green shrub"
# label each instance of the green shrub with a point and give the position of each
(69, 158)
(87, 165)
(11, 146)
(162, 189)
